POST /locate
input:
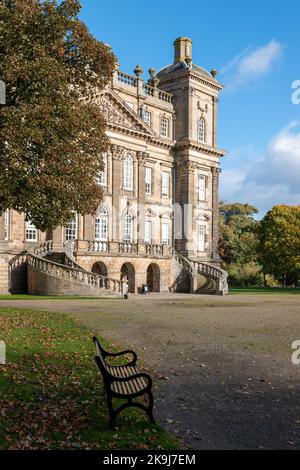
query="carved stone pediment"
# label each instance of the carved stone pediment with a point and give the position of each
(117, 113)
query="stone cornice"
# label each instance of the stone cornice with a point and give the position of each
(193, 75)
(207, 149)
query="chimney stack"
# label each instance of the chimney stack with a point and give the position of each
(182, 49)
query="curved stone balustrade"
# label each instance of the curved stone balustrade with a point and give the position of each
(212, 273)
(72, 271)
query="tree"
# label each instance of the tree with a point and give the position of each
(279, 244)
(51, 134)
(238, 239)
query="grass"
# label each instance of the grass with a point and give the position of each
(264, 290)
(51, 391)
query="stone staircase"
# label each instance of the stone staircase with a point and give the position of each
(204, 278)
(56, 273)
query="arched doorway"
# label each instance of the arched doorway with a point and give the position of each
(99, 268)
(153, 277)
(128, 276)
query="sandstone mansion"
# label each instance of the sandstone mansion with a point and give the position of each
(158, 221)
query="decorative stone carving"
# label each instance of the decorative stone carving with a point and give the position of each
(112, 115)
(142, 157)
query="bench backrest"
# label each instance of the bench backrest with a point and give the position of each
(100, 357)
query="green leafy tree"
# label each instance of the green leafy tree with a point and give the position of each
(238, 240)
(51, 133)
(279, 244)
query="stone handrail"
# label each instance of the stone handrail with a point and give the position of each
(156, 250)
(126, 79)
(155, 92)
(195, 267)
(35, 259)
(131, 248)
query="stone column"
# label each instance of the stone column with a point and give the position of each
(88, 227)
(117, 155)
(215, 214)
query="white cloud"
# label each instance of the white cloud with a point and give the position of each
(269, 179)
(251, 65)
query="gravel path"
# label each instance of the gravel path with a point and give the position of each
(222, 366)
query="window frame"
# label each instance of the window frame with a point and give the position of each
(165, 240)
(102, 177)
(127, 236)
(201, 130)
(101, 221)
(202, 191)
(148, 181)
(148, 235)
(165, 174)
(71, 232)
(200, 225)
(31, 232)
(164, 127)
(128, 172)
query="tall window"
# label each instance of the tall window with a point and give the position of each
(102, 178)
(30, 232)
(201, 130)
(6, 224)
(148, 180)
(165, 184)
(127, 227)
(71, 228)
(128, 173)
(201, 188)
(147, 117)
(101, 225)
(165, 238)
(164, 127)
(148, 231)
(200, 236)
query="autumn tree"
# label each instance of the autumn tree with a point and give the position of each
(279, 244)
(51, 133)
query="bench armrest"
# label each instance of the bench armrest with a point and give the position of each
(131, 362)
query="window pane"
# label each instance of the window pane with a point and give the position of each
(200, 237)
(148, 180)
(127, 227)
(148, 231)
(202, 188)
(147, 118)
(201, 130)
(165, 234)
(128, 173)
(31, 232)
(165, 184)
(71, 229)
(164, 127)
(101, 229)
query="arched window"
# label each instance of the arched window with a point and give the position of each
(30, 232)
(102, 178)
(127, 227)
(201, 130)
(71, 228)
(101, 224)
(128, 173)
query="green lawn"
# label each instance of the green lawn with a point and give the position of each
(262, 290)
(51, 391)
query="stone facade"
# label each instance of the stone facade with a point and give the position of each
(160, 183)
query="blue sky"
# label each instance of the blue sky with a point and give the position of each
(256, 47)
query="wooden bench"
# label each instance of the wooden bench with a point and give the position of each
(123, 382)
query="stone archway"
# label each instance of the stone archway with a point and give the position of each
(128, 276)
(153, 277)
(99, 268)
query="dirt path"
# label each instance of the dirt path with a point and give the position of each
(223, 365)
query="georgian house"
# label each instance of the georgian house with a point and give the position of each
(158, 221)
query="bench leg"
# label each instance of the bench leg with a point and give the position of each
(112, 414)
(150, 407)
